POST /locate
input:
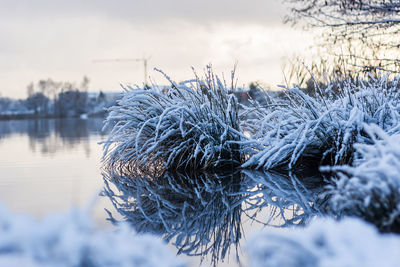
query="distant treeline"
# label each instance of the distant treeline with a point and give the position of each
(52, 99)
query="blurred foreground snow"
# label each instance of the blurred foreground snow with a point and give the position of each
(72, 239)
(325, 242)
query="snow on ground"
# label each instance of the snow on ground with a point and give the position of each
(371, 189)
(72, 239)
(325, 242)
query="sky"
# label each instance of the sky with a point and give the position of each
(62, 40)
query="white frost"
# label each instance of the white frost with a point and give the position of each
(371, 189)
(322, 128)
(325, 242)
(72, 239)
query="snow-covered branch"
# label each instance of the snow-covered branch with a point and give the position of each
(372, 24)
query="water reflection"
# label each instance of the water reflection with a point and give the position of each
(49, 165)
(202, 214)
(50, 136)
(292, 200)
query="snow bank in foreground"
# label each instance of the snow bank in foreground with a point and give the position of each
(72, 239)
(349, 242)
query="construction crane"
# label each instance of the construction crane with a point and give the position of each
(144, 59)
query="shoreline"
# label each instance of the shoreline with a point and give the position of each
(9, 117)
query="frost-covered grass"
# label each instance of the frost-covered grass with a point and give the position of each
(191, 125)
(300, 130)
(324, 242)
(371, 188)
(72, 239)
(199, 125)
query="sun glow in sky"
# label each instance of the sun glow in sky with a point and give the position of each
(60, 39)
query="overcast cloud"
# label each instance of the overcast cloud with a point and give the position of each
(255, 11)
(60, 40)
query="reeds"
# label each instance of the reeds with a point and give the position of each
(191, 125)
(299, 130)
(199, 125)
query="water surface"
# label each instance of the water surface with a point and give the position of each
(208, 216)
(50, 165)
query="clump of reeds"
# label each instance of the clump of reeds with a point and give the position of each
(300, 130)
(371, 188)
(191, 125)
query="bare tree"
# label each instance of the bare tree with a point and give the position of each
(38, 103)
(30, 89)
(85, 83)
(347, 13)
(369, 29)
(58, 98)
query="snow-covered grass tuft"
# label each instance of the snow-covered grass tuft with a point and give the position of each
(72, 239)
(371, 189)
(324, 242)
(198, 125)
(191, 125)
(300, 130)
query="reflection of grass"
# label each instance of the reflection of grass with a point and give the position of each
(192, 125)
(199, 214)
(291, 200)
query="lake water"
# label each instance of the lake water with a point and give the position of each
(50, 165)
